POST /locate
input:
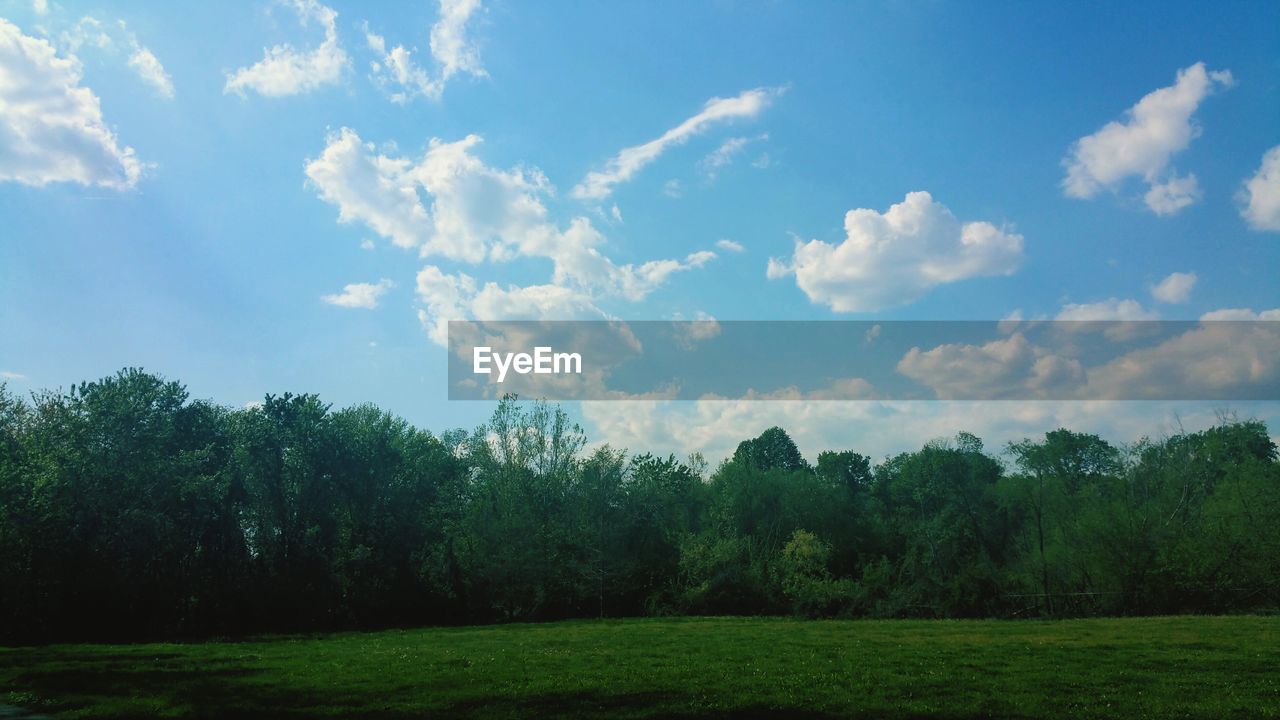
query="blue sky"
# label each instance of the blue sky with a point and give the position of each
(195, 215)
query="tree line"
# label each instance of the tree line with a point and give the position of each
(129, 510)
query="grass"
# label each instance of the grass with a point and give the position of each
(1174, 667)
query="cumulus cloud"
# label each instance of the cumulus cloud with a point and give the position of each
(599, 184)
(477, 212)
(729, 245)
(360, 295)
(446, 297)
(284, 70)
(1013, 367)
(52, 129)
(895, 257)
(367, 187)
(1207, 361)
(451, 204)
(454, 52)
(1261, 194)
(1158, 127)
(1174, 289)
(1241, 314)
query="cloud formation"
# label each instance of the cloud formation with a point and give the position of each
(360, 295)
(452, 49)
(895, 257)
(1174, 289)
(1261, 194)
(1014, 368)
(725, 154)
(1109, 309)
(284, 70)
(451, 204)
(1241, 314)
(458, 296)
(1155, 129)
(51, 127)
(599, 184)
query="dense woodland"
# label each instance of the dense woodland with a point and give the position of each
(129, 510)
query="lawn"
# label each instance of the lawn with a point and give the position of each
(1171, 667)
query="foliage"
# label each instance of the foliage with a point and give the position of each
(129, 510)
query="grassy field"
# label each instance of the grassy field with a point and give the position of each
(1202, 667)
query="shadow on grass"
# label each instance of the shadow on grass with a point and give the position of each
(119, 685)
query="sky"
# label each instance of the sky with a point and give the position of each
(292, 195)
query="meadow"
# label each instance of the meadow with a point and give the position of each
(1153, 667)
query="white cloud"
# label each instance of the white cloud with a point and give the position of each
(360, 295)
(148, 67)
(1203, 362)
(284, 70)
(459, 297)
(51, 129)
(598, 184)
(450, 45)
(729, 245)
(1241, 314)
(87, 32)
(615, 213)
(94, 33)
(1169, 197)
(1261, 194)
(1174, 289)
(879, 429)
(725, 154)
(11, 375)
(478, 213)
(397, 72)
(379, 191)
(1109, 309)
(689, 333)
(1014, 368)
(40, 7)
(1158, 127)
(896, 257)
(672, 188)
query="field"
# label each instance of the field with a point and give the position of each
(1202, 667)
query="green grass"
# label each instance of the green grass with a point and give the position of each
(1201, 667)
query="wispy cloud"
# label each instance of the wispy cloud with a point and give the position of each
(725, 154)
(599, 184)
(453, 50)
